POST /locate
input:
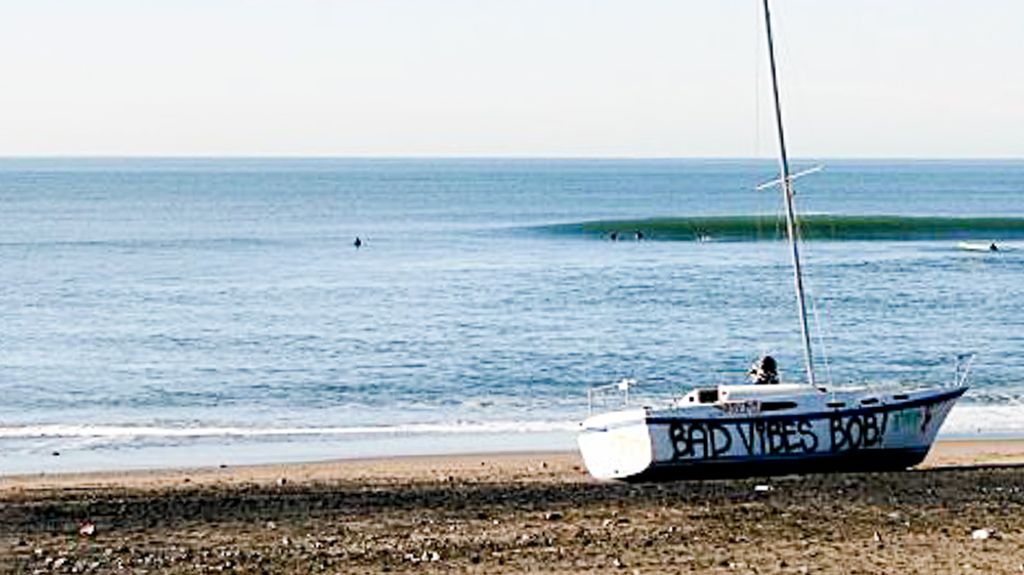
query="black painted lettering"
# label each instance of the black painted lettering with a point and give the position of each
(838, 433)
(871, 435)
(855, 440)
(808, 440)
(721, 440)
(677, 434)
(771, 434)
(788, 433)
(748, 437)
(699, 438)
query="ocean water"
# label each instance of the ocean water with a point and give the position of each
(215, 311)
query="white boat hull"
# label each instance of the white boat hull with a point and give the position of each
(869, 432)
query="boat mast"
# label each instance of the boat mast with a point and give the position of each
(786, 182)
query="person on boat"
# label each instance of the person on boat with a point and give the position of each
(764, 371)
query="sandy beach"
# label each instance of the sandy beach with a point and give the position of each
(962, 511)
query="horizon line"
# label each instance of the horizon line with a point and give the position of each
(513, 157)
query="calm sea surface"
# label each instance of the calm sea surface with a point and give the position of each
(176, 312)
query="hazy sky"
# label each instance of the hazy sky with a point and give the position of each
(865, 78)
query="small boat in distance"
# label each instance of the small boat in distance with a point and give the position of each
(768, 427)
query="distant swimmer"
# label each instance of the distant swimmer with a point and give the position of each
(993, 247)
(614, 236)
(639, 235)
(358, 243)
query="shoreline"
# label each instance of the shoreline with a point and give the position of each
(513, 464)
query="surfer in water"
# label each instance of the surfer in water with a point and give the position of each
(358, 243)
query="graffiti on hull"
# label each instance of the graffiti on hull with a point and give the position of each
(777, 436)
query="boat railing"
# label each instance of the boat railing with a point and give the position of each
(962, 368)
(602, 391)
(655, 393)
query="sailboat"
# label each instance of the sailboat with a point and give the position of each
(769, 428)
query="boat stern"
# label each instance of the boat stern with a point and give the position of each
(616, 445)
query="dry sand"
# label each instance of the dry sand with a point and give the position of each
(535, 512)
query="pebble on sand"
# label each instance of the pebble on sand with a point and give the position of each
(982, 534)
(87, 529)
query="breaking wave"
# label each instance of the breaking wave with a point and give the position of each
(156, 432)
(812, 227)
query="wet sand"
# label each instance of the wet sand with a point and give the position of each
(961, 512)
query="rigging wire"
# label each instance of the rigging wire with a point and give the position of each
(758, 56)
(822, 325)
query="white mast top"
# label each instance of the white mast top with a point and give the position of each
(786, 180)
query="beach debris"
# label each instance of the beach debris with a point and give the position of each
(553, 516)
(618, 563)
(87, 528)
(282, 481)
(271, 525)
(612, 522)
(983, 534)
(762, 488)
(59, 562)
(424, 557)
